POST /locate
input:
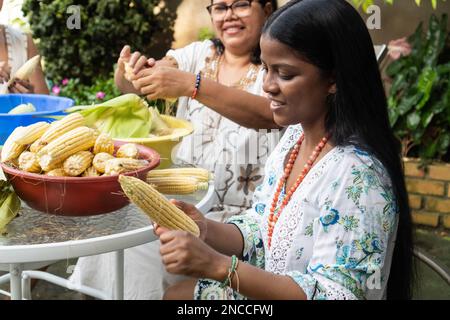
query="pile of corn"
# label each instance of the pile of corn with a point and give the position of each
(68, 148)
(179, 180)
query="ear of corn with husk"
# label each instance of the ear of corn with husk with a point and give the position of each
(156, 206)
(9, 205)
(26, 70)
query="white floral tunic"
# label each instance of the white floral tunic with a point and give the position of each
(335, 237)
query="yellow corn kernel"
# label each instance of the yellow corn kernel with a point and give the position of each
(100, 160)
(177, 185)
(104, 143)
(91, 172)
(156, 206)
(200, 174)
(32, 132)
(128, 150)
(122, 165)
(59, 172)
(28, 162)
(77, 163)
(54, 154)
(60, 127)
(11, 150)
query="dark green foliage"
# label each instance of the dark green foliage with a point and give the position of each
(106, 26)
(419, 99)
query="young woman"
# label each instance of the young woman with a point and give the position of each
(228, 103)
(15, 49)
(331, 218)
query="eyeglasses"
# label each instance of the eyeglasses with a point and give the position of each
(241, 8)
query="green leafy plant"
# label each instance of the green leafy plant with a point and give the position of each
(102, 89)
(419, 98)
(205, 33)
(105, 27)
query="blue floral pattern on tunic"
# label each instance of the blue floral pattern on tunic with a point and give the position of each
(336, 232)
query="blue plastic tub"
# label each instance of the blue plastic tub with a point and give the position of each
(45, 106)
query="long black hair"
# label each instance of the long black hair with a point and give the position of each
(331, 35)
(256, 54)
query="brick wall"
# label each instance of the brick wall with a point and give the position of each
(429, 193)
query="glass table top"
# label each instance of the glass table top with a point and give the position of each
(34, 227)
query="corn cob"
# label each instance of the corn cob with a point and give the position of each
(156, 206)
(60, 127)
(36, 146)
(200, 174)
(121, 165)
(104, 143)
(77, 163)
(91, 172)
(54, 154)
(177, 185)
(128, 150)
(26, 70)
(28, 162)
(11, 150)
(32, 132)
(100, 161)
(59, 172)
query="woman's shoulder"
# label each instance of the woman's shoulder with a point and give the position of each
(199, 46)
(352, 160)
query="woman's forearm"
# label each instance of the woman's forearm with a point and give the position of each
(256, 283)
(225, 238)
(246, 109)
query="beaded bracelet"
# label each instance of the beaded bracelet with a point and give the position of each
(232, 271)
(197, 85)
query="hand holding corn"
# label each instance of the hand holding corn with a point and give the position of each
(156, 206)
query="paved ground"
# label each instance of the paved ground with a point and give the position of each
(431, 286)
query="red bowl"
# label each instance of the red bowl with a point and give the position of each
(76, 196)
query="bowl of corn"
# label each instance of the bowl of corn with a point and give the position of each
(66, 168)
(165, 144)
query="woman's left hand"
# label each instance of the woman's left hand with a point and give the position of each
(21, 86)
(183, 253)
(161, 82)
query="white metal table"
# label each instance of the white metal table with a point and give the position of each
(37, 239)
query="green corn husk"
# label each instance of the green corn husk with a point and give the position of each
(126, 116)
(9, 208)
(158, 126)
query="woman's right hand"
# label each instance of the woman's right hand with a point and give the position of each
(5, 71)
(192, 212)
(136, 62)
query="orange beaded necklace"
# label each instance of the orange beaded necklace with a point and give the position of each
(274, 213)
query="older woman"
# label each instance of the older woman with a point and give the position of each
(219, 86)
(15, 49)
